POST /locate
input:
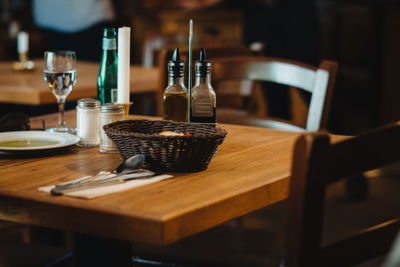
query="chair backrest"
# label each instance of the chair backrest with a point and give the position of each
(317, 81)
(212, 52)
(317, 163)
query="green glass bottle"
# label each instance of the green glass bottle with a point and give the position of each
(108, 71)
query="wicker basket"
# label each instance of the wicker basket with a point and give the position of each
(167, 153)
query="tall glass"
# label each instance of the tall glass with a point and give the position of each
(60, 74)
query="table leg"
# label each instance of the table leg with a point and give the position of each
(98, 251)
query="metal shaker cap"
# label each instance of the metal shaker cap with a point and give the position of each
(110, 107)
(88, 103)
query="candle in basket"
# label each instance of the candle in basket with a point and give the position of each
(124, 41)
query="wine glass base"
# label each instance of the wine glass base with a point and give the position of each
(62, 130)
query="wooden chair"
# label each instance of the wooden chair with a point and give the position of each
(317, 162)
(213, 52)
(319, 82)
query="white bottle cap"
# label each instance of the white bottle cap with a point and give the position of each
(23, 42)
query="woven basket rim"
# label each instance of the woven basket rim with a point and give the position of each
(219, 132)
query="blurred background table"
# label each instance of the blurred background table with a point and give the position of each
(27, 88)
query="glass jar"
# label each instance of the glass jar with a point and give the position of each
(109, 113)
(203, 99)
(87, 121)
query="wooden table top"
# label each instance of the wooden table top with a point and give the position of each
(251, 170)
(28, 87)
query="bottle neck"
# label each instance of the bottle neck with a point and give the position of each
(109, 51)
(203, 80)
(176, 80)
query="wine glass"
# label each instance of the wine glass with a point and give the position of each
(60, 74)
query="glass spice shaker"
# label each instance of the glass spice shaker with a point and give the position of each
(109, 113)
(87, 121)
(203, 99)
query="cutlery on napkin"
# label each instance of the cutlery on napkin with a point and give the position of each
(104, 184)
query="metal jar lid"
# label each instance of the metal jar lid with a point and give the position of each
(110, 107)
(88, 103)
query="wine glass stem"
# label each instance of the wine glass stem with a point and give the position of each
(61, 122)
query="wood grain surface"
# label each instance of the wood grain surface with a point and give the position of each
(29, 87)
(250, 171)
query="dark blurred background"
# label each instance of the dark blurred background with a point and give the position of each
(361, 36)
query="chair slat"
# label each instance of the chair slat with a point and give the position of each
(364, 153)
(318, 100)
(274, 71)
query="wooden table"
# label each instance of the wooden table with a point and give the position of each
(251, 170)
(28, 87)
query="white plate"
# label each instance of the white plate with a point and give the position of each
(58, 140)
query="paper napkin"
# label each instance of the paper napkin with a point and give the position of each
(89, 193)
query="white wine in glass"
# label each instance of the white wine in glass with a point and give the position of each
(60, 74)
